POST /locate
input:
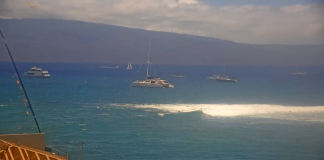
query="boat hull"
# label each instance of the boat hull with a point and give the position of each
(38, 75)
(147, 85)
(299, 74)
(230, 81)
(178, 76)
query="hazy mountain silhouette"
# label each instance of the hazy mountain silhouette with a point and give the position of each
(50, 40)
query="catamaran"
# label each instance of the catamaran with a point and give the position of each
(223, 78)
(153, 82)
(129, 66)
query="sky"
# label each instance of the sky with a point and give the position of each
(243, 21)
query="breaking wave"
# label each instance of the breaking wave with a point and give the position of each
(305, 113)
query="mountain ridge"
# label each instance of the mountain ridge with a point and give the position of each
(53, 40)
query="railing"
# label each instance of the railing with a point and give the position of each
(11, 151)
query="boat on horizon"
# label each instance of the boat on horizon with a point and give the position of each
(151, 82)
(178, 76)
(129, 66)
(223, 78)
(37, 72)
(299, 73)
(114, 67)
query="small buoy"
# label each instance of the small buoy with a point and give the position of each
(27, 112)
(17, 82)
(25, 100)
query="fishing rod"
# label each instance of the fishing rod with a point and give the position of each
(21, 83)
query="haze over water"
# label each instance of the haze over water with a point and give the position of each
(268, 114)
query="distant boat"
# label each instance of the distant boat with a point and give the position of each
(151, 82)
(226, 79)
(37, 72)
(223, 78)
(299, 73)
(178, 76)
(129, 66)
(109, 67)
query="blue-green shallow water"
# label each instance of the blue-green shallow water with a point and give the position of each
(198, 119)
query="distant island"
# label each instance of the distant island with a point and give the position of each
(51, 40)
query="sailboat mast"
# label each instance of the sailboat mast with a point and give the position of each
(148, 59)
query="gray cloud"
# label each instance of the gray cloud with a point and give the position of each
(294, 24)
(4, 9)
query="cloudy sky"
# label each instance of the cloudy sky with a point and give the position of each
(245, 21)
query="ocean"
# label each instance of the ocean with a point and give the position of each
(269, 114)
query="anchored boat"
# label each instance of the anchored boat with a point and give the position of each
(152, 82)
(223, 78)
(129, 66)
(299, 73)
(37, 72)
(178, 76)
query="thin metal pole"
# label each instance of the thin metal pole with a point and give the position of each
(82, 151)
(22, 85)
(148, 59)
(79, 151)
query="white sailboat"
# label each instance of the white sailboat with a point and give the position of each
(129, 66)
(223, 78)
(152, 82)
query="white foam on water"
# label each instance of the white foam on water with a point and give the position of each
(304, 113)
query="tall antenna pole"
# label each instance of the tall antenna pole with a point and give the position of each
(22, 84)
(82, 151)
(79, 151)
(148, 59)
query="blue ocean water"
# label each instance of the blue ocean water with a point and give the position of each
(268, 114)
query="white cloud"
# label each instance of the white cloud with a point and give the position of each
(294, 24)
(188, 1)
